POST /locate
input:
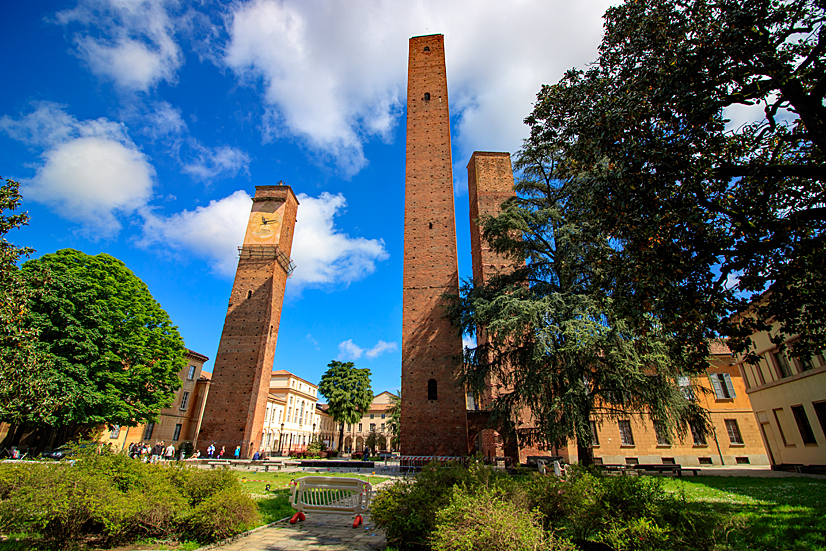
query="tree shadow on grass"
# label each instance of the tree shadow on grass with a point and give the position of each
(765, 513)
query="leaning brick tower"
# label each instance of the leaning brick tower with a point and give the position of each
(237, 402)
(434, 413)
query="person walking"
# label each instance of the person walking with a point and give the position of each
(222, 452)
(157, 452)
(210, 451)
(169, 453)
(237, 452)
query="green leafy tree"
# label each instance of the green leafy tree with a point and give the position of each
(558, 352)
(27, 395)
(115, 352)
(348, 393)
(705, 214)
(394, 420)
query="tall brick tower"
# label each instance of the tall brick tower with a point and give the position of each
(434, 414)
(489, 182)
(234, 413)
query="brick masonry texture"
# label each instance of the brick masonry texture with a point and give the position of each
(234, 412)
(431, 347)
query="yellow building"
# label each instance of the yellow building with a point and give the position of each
(789, 400)
(178, 423)
(375, 419)
(735, 437)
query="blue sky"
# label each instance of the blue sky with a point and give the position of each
(141, 128)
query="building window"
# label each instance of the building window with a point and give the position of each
(733, 430)
(722, 386)
(661, 434)
(177, 433)
(427, 48)
(803, 425)
(697, 435)
(147, 432)
(372, 427)
(289, 414)
(191, 374)
(382, 427)
(594, 435)
(372, 415)
(685, 387)
(427, 96)
(185, 399)
(359, 427)
(820, 411)
(626, 436)
(806, 364)
(382, 416)
(432, 393)
(782, 364)
(115, 431)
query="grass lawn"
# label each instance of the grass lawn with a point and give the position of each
(275, 503)
(768, 513)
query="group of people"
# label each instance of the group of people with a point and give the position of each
(152, 454)
(211, 452)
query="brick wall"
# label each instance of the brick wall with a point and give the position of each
(237, 402)
(431, 347)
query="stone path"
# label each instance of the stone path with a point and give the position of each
(318, 533)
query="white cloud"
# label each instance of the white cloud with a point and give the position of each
(92, 173)
(213, 232)
(130, 42)
(468, 342)
(218, 162)
(334, 74)
(381, 348)
(325, 257)
(348, 350)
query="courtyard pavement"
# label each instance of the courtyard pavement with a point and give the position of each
(318, 532)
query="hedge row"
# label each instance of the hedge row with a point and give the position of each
(108, 499)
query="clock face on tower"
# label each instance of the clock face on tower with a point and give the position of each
(264, 226)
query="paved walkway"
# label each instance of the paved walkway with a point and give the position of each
(318, 533)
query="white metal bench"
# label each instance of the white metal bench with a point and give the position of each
(330, 495)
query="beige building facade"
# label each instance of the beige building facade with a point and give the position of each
(178, 423)
(789, 400)
(292, 419)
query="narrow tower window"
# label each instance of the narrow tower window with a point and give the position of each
(427, 48)
(432, 394)
(430, 225)
(427, 96)
(249, 294)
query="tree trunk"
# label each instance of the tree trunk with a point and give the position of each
(341, 441)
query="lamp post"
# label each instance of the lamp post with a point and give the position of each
(313, 435)
(281, 440)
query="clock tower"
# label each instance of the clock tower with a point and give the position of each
(237, 399)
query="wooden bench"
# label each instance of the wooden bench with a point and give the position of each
(279, 464)
(219, 463)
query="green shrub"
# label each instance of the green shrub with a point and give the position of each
(489, 519)
(220, 516)
(406, 510)
(199, 484)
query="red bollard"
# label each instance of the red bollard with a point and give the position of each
(296, 517)
(357, 521)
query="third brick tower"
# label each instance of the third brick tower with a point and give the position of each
(434, 414)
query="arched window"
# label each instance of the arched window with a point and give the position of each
(427, 96)
(432, 393)
(427, 48)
